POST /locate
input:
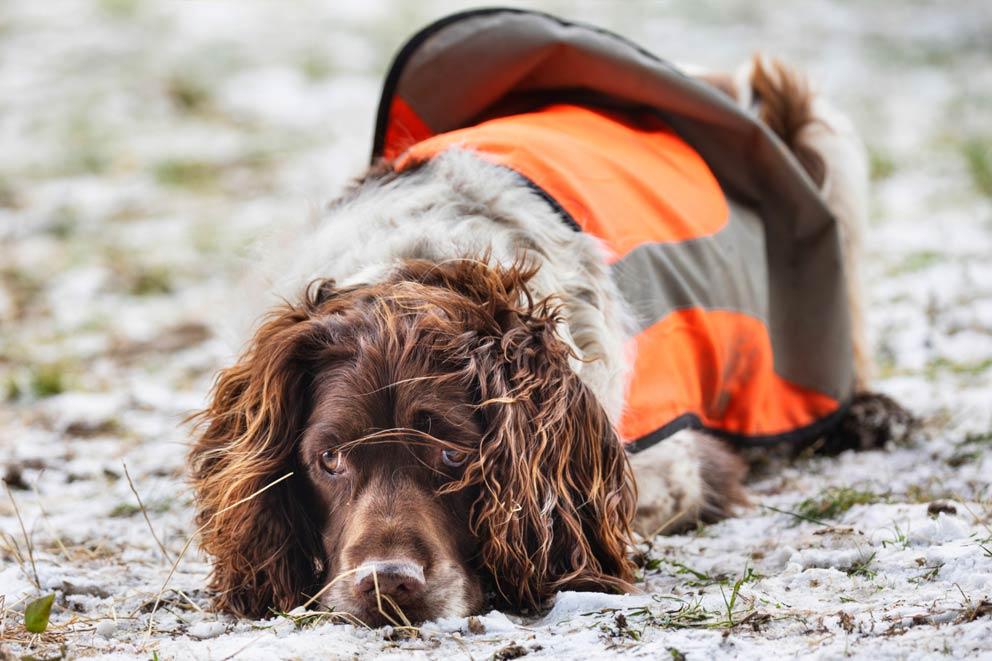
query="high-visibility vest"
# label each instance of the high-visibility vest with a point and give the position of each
(719, 242)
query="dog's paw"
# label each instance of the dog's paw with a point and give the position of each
(871, 421)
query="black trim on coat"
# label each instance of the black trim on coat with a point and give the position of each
(801, 435)
(397, 66)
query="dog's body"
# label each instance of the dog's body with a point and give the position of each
(460, 207)
(500, 336)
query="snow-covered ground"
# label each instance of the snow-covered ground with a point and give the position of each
(143, 145)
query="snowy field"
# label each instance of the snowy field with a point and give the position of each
(143, 145)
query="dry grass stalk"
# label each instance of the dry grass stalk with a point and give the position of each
(189, 542)
(327, 587)
(378, 599)
(144, 513)
(27, 538)
(48, 524)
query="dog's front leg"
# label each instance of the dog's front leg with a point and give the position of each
(688, 478)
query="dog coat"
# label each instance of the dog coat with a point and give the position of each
(719, 242)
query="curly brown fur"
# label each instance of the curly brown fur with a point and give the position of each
(552, 494)
(786, 106)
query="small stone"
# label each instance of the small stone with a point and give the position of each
(204, 630)
(106, 628)
(14, 479)
(511, 651)
(941, 507)
(475, 626)
(89, 589)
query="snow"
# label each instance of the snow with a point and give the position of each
(148, 143)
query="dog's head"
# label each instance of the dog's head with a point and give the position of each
(439, 444)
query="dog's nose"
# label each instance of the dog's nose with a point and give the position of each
(401, 580)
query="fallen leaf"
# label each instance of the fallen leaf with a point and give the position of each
(37, 612)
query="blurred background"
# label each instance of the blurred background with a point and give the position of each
(145, 144)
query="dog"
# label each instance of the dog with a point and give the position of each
(437, 416)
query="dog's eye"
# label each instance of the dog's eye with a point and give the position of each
(330, 461)
(424, 422)
(453, 458)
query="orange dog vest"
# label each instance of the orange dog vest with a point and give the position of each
(723, 345)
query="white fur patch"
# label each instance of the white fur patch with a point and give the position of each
(458, 207)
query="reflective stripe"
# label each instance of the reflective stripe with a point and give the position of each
(723, 271)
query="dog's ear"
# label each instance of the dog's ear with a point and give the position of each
(556, 495)
(266, 550)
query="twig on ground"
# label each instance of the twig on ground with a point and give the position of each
(27, 538)
(48, 524)
(144, 513)
(977, 519)
(378, 598)
(188, 600)
(672, 519)
(797, 515)
(189, 542)
(328, 586)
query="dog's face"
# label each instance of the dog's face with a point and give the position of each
(382, 442)
(435, 440)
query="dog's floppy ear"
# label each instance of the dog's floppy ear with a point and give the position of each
(556, 495)
(266, 550)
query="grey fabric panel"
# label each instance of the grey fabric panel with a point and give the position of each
(469, 65)
(725, 271)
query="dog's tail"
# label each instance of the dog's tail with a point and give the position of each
(825, 143)
(827, 146)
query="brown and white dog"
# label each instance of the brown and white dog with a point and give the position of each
(443, 384)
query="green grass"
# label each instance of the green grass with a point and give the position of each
(970, 448)
(87, 149)
(928, 576)
(900, 537)
(731, 601)
(315, 67)
(11, 389)
(700, 579)
(941, 364)
(47, 380)
(862, 567)
(126, 510)
(834, 502)
(917, 261)
(64, 223)
(151, 281)
(119, 8)
(978, 156)
(961, 458)
(188, 94)
(978, 438)
(9, 198)
(679, 613)
(193, 174)
(881, 166)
